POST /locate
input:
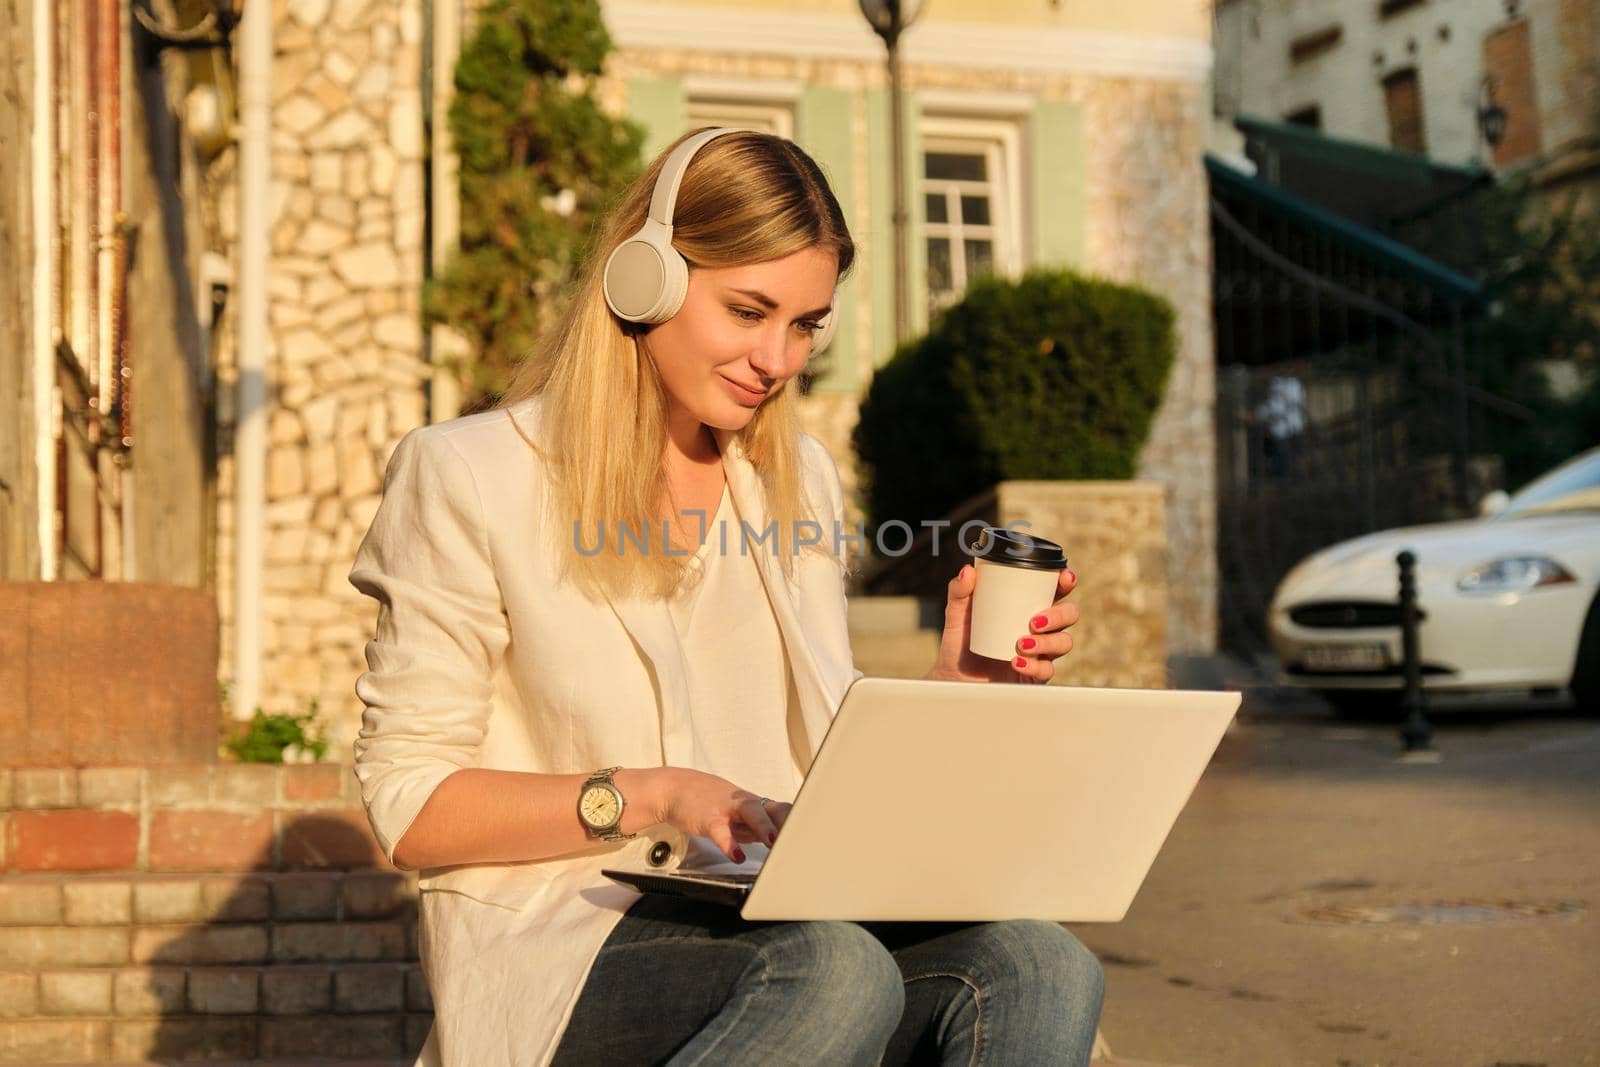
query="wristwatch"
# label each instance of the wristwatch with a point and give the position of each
(600, 806)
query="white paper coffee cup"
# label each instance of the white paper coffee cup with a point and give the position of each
(1017, 579)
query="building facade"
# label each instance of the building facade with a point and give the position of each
(281, 329)
(1424, 76)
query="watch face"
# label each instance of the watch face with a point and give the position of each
(599, 806)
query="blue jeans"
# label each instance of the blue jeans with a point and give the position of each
(680, 982)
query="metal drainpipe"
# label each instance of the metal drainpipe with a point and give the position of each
(250, 415)
(444, 394)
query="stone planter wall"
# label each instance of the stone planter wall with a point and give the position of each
(1114, 534)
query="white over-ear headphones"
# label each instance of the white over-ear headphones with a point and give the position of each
(646, 278)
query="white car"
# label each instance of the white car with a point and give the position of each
(1508, 601)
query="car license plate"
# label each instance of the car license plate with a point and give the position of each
(1373, 657)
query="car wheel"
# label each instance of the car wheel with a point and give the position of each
(1586, 675)
(1364, 705)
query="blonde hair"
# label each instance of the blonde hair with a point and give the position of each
(746, 197)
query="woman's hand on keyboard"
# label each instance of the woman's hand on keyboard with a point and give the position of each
(700, 803)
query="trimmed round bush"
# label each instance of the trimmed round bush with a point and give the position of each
(1055, 376)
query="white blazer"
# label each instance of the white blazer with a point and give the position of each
(481, 659)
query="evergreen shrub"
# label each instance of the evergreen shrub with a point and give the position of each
(1055, 376)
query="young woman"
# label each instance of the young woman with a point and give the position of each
(531, 648)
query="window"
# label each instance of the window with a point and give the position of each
(756, 114)
(1402, 97)
(1309, 116)
(969, 196)
(1310, 45)
(1390, 8)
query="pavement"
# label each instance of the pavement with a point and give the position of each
(1319, 902)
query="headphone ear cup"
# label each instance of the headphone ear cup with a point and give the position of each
(645, 277)
(634, 277)
(674, 286)
(830, 326)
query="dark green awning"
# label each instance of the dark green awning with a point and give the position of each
(1335, 154)
(1390, 255)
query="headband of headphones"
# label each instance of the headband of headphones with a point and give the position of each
(646, 278)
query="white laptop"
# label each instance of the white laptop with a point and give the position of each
(958, 801)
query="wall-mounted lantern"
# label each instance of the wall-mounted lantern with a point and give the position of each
(1491, 116)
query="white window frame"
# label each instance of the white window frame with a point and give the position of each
(748, 102)
(1000, 142)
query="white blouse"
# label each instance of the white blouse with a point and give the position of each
(742, 696)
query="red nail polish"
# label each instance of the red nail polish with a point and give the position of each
(1072, 577)
(1028, 643)
(1041, 621)
(738, 855)
(1019, 663)
(772, 838)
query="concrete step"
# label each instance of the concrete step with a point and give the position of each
(895, 636)
(872, 616)
(896, 655)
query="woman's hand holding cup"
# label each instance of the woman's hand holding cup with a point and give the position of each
(1014, 629)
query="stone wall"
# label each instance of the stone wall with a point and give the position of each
(1114, 534)
(1148, 223)
(345, 343)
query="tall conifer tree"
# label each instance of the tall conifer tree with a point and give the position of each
(540, 160)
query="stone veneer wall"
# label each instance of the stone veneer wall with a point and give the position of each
(1146, 223)
(344, 337)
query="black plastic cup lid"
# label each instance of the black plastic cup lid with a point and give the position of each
(1013, 548)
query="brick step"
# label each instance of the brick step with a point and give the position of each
(139, 898)
(235, 817)
(163, 991)
(384, 1038)
(134, 919)
(320, 1061)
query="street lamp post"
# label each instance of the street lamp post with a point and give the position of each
(889, 19)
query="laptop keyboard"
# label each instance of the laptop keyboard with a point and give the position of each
(729, 878)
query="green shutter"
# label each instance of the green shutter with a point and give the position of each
(823, 127)
(881, 228)
(661, 107)
(1055, 135)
